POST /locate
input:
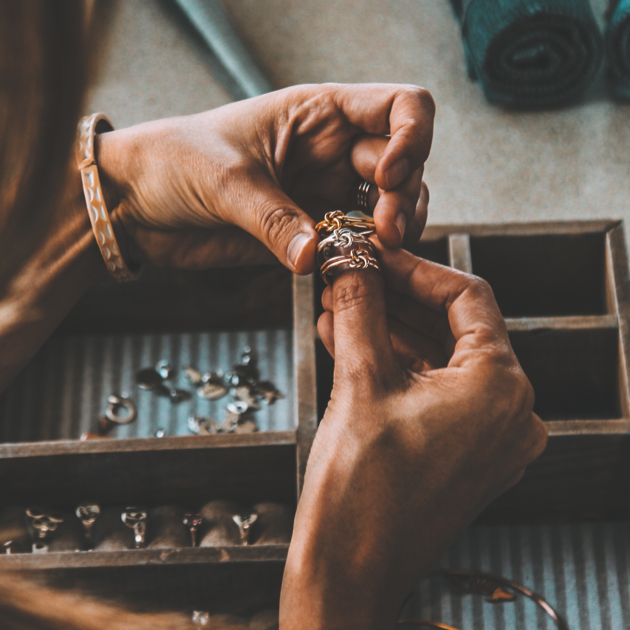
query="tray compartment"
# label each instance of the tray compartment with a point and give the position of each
(247, 469)
(97, 351)
(72, 376)
(575, 373)
(433, 249)
(544, 274)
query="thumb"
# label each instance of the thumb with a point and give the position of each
(278, 222)
(362, 343)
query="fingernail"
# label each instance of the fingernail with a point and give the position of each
(401, 224)
(397, 172)
(296, 246)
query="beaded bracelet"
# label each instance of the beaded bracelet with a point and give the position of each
(97, 211)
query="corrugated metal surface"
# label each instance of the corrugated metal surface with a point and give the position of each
(582, 570)
(63, 391)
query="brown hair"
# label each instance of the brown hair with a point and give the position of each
(43, 71)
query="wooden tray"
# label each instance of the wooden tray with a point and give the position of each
(564, 289)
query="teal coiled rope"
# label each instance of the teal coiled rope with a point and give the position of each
(618, 47)
(531, 53)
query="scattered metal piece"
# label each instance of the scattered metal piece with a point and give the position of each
(8, 547)
(202, 426)
(247, 395)
(245, 427)
(212, 391)
(268, 391)
(39, 548)
(174, 394)
(160, 433)
(193, 375)
(165, 370)
(148, 378)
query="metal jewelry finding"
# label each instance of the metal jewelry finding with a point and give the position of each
(113, 417)
(363, 194)
(201, 618)
(193, 521)
(136, 519)
(43, 523)
(202, 426)
(87, 513)
(244, 523)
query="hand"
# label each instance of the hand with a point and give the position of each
(430, 419)
(246, 183)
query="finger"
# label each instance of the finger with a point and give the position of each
(326, 332)
(414, 351)
(361, 336)
(274, 219)
(405, 112)
(422, 319)
(419, 220)
(468, 301)
(395, 210)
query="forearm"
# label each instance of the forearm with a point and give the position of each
(45, 266)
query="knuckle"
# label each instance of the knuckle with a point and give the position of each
(422, 96)
(275, 222)
(479, 287)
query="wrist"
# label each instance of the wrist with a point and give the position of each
(110, 154)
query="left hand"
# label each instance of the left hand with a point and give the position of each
(246, 182)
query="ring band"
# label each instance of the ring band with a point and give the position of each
(363, 194)
(356, 260)
(336, 220)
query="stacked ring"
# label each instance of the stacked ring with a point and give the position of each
(345, 244)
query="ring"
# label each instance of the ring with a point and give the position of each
(87, 513)
(245, 522)
(336, 220)
(136, 519)
(357, 259)
(363, 193)
(111, 419)
(344, 239)
(42, 522)
(193, 521)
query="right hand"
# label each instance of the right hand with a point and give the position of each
(430, 419)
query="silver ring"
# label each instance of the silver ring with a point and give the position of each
(87, 513)
(116, 404)
(136, 519)
(42, 522)
(363, 194)
(244, 523)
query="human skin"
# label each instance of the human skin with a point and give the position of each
(241, 184)
(430, 419)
